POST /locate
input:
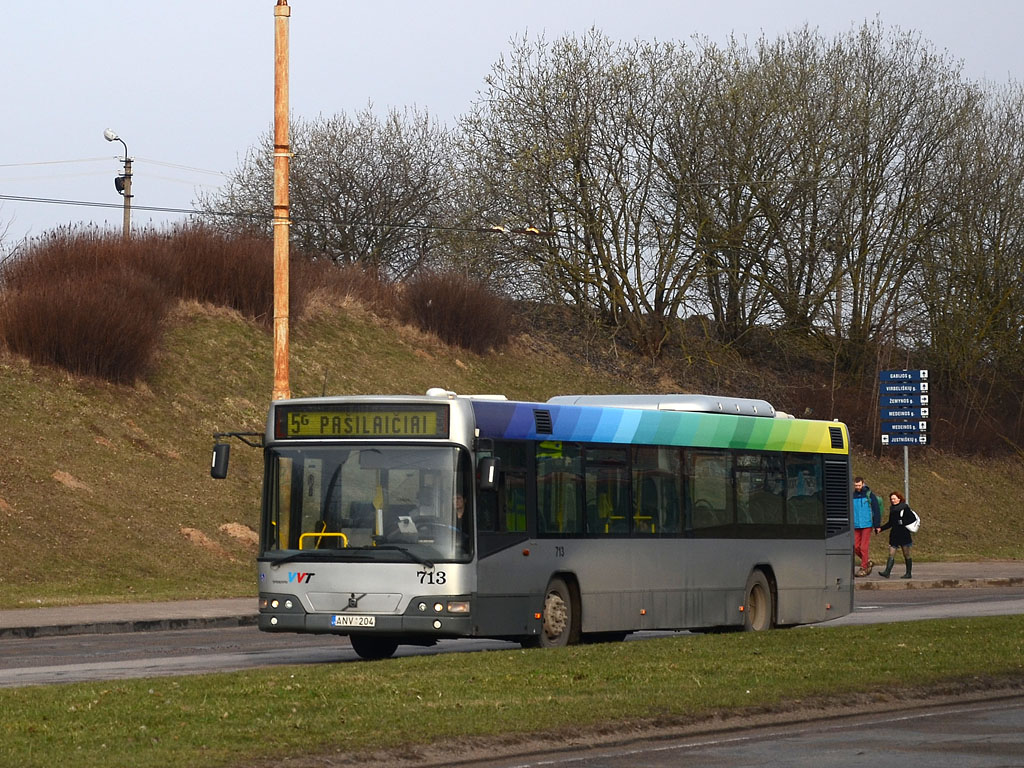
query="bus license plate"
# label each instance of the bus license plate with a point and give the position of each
(354, 621)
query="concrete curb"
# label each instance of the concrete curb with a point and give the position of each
(895, 582)
(119, 627)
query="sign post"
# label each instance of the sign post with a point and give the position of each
(904, 411)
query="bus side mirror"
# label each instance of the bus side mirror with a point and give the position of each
(221, 456)
(487, 470)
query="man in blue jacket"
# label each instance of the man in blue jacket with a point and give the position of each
(867, 514)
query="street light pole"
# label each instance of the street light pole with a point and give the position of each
(281, 219)
(123, 184)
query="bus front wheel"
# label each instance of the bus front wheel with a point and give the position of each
(560, 620)
(758, 607)
(372, 648)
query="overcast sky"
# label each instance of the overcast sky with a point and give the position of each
(188, 85)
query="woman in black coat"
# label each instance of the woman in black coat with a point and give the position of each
(900, 516)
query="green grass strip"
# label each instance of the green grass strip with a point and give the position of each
(234, 719)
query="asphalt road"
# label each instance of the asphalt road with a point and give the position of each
(916, 604)
(977, 734)
(76, 658)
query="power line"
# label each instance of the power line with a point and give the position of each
(157, 176)
(93, 204)
(182, 167)
(47, 177)
(53, 162)
(489, 229)
(150, 160)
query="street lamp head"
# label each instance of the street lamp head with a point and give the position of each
(123, 183)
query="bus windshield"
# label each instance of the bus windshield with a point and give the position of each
(382, 502)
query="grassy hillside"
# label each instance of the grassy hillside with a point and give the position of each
(105, 492)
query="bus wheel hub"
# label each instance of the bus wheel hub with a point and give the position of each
(555, 616)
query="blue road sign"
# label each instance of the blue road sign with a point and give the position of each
(911, 439)
(902, 387)
(904, 426)
(894, 414)
(899, 401)
(903, 407)
(918, 375)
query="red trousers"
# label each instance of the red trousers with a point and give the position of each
(862, 545)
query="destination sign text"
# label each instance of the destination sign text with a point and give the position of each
(363, 422)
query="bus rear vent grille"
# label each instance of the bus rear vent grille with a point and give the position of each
(836, 434)
(542, 420)
(837, 497)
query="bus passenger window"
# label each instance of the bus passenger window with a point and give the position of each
(709, 500)
(559, 489)
(657, 479)
(759, 489)
(504, 509)
(607, 490)
(514, 512)
(804, 504)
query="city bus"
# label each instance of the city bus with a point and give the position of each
(409, 519)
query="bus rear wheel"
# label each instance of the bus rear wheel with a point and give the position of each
(372, 648)
(758, 606)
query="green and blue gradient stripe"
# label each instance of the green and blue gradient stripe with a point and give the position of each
(591, 424)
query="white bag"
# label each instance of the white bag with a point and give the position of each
(915, 526)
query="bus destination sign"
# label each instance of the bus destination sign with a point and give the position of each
(362, 421)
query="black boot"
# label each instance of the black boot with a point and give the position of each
(888, 568)
(910, 567)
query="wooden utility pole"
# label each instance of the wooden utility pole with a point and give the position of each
(281, 220)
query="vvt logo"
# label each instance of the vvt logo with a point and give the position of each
(300, 577)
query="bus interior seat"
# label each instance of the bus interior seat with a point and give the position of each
(362, 514)
(671, 522)
(806, 509)
(647, 515)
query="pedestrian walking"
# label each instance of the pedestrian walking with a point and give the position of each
(867, 516)
(900, 516)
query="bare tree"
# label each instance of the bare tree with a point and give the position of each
(901, 100)
(364, 190)
(798, 77)
(714, 159)
(565, 138)
(753, 151)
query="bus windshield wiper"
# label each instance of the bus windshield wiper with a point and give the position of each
(407, 553)
(343, 554)
(312, 554)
